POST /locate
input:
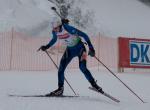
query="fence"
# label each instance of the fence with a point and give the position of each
(19, 52)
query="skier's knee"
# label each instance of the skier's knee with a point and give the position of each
(83, 56)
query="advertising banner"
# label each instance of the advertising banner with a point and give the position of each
(134, 53)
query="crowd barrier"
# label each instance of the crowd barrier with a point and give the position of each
(19, 52)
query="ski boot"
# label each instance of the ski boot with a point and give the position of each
(98, 88)
(57, 92)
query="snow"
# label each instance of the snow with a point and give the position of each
(114, 18)
(128, 18)
(36, 82)
(25, 16)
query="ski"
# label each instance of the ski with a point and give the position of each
(105, 94)
(62, 96)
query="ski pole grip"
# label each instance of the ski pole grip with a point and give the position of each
(53, 8)
(38, 49)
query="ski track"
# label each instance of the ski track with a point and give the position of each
(34, 83)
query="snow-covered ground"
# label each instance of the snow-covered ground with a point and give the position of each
(32, 83)
(113, 18)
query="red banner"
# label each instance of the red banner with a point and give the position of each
(134, 53)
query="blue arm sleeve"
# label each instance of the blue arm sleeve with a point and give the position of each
(77, 32)
(53, 41)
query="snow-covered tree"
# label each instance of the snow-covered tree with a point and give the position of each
(147, 2)
(72, 10)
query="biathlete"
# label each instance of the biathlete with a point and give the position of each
(74, 48)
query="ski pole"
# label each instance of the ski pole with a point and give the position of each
(54, 9)
(57, 68)
(118, 78)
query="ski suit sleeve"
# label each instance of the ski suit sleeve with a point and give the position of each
(77, 32)
(54, 39)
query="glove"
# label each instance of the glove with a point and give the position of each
(91, 52)
(65, 21)
(44, 47)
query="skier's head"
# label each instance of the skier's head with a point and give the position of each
(56, 24)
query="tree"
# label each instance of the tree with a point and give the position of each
(71, 9)
(145, 0)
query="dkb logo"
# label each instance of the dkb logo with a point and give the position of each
(140, 53)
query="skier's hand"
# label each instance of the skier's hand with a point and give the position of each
(91, 52)
(43, 47)
(65, 21)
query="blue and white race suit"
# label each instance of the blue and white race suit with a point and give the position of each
(71, 37)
